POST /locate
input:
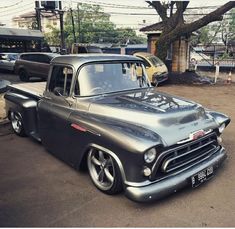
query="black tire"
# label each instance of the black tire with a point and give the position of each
(23, 75)
(100, 162)
(17, 123)
(154, 82)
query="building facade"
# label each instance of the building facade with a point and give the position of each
(28, 21)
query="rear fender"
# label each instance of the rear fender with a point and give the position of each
(26, 106)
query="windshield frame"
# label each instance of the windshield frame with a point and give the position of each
(112, 62)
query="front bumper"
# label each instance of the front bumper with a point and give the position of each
(159, 189)
(161, 78)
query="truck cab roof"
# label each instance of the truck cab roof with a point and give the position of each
(78, 59)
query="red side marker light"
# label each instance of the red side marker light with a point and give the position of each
(77, 127)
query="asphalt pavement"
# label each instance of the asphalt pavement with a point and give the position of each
(38, 190)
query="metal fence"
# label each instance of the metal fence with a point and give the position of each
(212, 55)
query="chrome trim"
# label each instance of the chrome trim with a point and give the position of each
(190, 138)
(114, 156)
(165, 164)
(164, 153)
(157, 190)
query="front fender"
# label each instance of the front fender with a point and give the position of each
(219, 118)
(127, 141)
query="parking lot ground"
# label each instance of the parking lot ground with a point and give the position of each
(36, 189)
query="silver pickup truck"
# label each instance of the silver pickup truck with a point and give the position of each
(99, 112)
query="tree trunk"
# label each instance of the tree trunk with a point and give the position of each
(175, 27)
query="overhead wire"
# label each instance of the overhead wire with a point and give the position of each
(5, 7)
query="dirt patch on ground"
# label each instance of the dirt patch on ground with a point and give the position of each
(200, 78)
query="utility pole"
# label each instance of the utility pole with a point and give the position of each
(74, 36)
(61, 13)
(79, 24)
(38, 16)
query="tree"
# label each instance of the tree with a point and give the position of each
(207, 35)
(228, 28)
(92, 25)
(175, 25)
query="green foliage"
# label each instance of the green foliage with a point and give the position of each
(52, 38)
(232, 25)
(91, 25)
(218, 31)
(207, 34)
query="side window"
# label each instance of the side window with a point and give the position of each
(25, 57)
(30, 57)
(146, 63)
(43, 59)
(82, 49)
(61, 80)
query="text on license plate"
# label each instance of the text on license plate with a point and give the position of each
(202, 176)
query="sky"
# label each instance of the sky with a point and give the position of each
(120, 10)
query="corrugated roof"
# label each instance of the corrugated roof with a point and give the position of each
(151, 28)
(20, 33)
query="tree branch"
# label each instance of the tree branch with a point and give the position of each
(160, 8)
(181, 29)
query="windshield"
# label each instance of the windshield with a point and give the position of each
(13, 56)
(100, 78)
(155, 61)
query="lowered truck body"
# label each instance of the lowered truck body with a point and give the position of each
(100, 111)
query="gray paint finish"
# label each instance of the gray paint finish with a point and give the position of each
(124, 124)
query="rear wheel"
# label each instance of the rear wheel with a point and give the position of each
(23, 76)
(17, 123)
(104, 172)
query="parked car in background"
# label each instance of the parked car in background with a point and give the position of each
(34, 64)
(7, 61)
(194, 56)
(156, 69)
(85, 48)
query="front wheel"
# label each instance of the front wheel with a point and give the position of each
(104, 172)
(23, 75)
(17, 123)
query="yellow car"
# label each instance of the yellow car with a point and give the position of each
(155, 68)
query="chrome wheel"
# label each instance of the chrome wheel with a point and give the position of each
(101, 168)
(17, 124)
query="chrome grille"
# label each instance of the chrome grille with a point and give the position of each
(186, 155)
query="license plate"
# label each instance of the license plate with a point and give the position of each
(202, 176)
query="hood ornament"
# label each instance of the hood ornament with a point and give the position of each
(195, 135)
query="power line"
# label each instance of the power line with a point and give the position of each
(20, 11)
(111, 5)
(17, 9)
(4, 7)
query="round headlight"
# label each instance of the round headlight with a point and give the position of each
(221, 128)
(150, 155)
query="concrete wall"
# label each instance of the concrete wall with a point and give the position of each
(180, 57)
(180, 52)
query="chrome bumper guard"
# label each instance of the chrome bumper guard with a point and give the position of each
(157, 190)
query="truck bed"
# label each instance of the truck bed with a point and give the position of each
(33, 89)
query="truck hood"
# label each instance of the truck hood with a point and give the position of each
(172, 118)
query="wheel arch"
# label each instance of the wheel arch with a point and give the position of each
(83, 165)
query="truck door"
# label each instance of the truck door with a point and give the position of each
(54, 110)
